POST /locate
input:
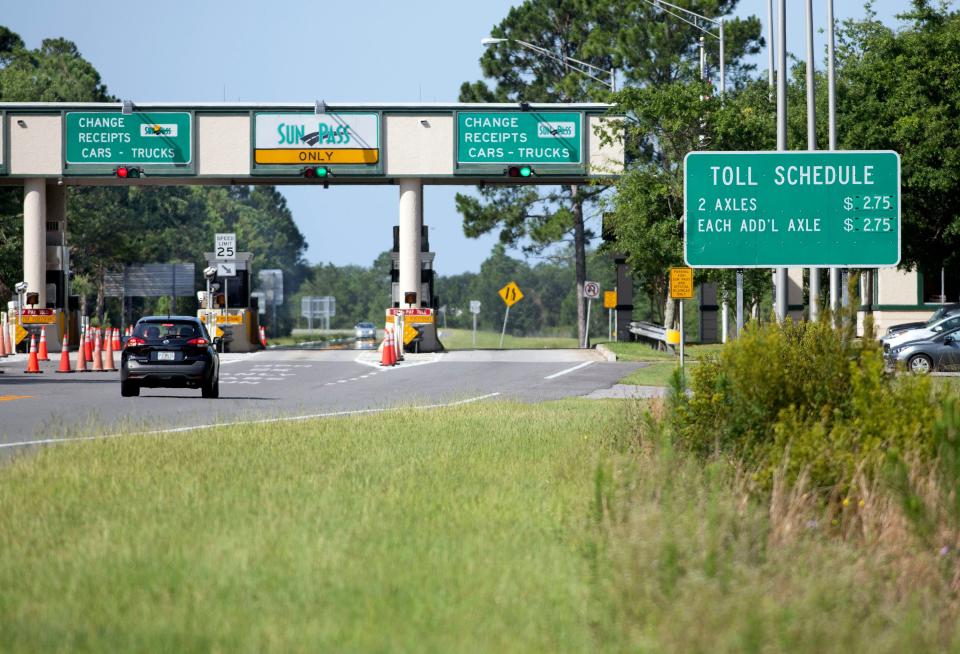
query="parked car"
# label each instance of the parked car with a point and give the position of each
(170, 352)
(929, 330)
(365, 330)
(942, 312)
(939, 352)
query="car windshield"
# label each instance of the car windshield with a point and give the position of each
(947, 325)
(365, 325)
(168, 329)
(937, 316)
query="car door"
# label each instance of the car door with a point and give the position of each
(949, 351)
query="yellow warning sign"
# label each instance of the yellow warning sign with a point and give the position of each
(19, 334)
(410, 333)
(307, 156)
(609, 299)
(681, 283)
(511, 294)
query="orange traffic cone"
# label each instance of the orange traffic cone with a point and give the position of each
(42, 353)
(82, 353)
(116, 340)
(263, 336)
(88, 350)
(389, 355)
(33, 365)
(97, 352)
(65, 354)
(108, 365)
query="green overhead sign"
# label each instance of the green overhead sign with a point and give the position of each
(520, 137)
(767, 209)
(156, 139)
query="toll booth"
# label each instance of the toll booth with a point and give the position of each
(230, 312)
(428, 300)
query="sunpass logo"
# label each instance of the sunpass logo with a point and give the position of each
(556, 130)
(158, 130)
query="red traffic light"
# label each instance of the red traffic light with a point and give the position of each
(127, 172)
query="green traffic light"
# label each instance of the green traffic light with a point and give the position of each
(526, 171)
(322, 172)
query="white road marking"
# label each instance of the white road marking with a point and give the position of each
(266, 421)
(569, 370)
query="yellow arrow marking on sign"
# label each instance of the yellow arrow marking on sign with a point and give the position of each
(409, 333)
(8, 398)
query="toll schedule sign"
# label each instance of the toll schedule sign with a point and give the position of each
(765, 209)
(519, 137)
(105, 138)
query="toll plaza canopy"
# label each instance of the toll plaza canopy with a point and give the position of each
(287, 143)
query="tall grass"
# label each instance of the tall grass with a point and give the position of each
(696, 560)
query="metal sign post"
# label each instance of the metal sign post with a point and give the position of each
(510, 294)
(610, 303)
(474, 309)
(591, 291)
(681, 288)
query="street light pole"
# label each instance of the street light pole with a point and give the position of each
(832, 142)
(812, 145)
(780, 279)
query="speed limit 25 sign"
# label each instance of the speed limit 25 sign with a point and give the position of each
(225, 246)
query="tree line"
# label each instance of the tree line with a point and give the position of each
(548, 307)
(111, 227)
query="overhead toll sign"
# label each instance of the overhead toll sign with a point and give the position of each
(535, 142)
(101, 142)
(766, 209)
(347, 142)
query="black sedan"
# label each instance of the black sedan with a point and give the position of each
(169, 352)
(939, 352)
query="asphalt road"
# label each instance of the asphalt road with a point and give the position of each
(287, 383)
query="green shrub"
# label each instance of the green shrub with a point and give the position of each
(803, 396)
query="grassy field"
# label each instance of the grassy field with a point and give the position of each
(495, 527)
(462, 339)
(417, 531)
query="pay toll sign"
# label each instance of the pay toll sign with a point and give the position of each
(765, 209)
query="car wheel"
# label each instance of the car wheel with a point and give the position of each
(129, 389)
(211, 389)
(920, 364)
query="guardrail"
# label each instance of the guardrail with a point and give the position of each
(653, 334)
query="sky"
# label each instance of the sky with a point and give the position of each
(284, 51)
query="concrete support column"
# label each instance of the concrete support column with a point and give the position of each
(411, 228)
(35, 237)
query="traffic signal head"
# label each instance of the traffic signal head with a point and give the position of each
(127, 172)
(318, 172)
(520, 171)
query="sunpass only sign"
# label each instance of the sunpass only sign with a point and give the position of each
(767, 209)
(519, 137)
(115, 138)
(309, 139)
